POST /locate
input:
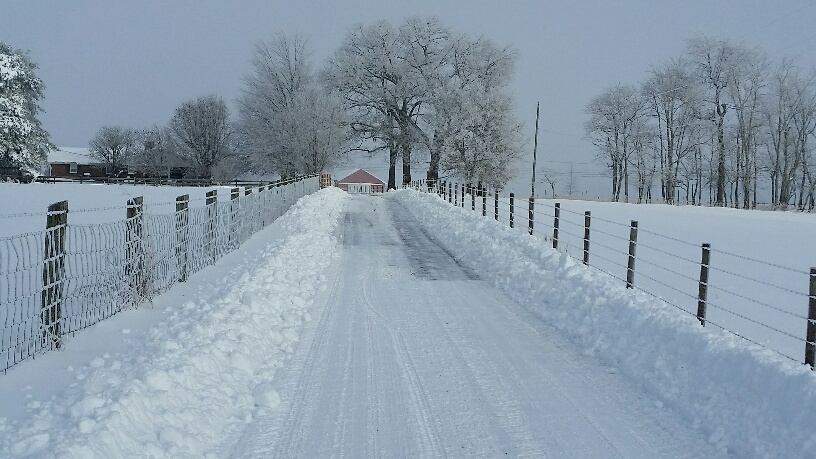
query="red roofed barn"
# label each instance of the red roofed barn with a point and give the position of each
(361, 182)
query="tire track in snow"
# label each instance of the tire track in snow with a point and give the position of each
(424, 414)
(491, 382)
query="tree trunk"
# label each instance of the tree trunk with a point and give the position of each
(720, 153)
(406, 164)
(433, 167)
(392, 167)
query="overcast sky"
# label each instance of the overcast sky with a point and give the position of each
(131, 63)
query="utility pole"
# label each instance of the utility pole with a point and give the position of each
(535, 149)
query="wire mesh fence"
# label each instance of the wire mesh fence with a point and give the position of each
(68, 277)
(767, 304)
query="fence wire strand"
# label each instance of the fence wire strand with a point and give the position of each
(520, 216)
(47, 293)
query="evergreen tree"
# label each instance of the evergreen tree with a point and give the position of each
(23, 141)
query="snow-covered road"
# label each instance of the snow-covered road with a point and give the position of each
(413, 355)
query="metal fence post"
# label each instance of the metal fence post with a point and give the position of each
(630, 265)
(182, 218)
(556, 220)
(587, 217)
(530, 214)
(512, 205)
(53, 274)
(810, 341)
(702, 296)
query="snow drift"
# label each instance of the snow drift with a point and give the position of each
(209, 361)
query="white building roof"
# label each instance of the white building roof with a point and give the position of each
(71, 155)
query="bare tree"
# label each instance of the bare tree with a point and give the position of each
(113, 146)
(155, 152)
(712, 59)
(572, 180)
(550, 177)
(674, 102)
(201, 131)
(747, 78)
(616, 117)
(289, 123)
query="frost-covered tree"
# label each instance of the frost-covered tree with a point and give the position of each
(475, 134)
(201, 130)
(615, 126)
(421, 88)
(711, 60)
(113, 146)
(381, 93)
(747, 81)
(289, 123)
(673, 99)
(23, 141)
(155, 152)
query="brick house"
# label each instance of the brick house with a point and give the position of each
(74, 163)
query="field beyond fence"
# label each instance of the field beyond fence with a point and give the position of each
(770, 305)
(66, 277)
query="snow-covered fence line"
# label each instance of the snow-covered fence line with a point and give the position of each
(748, 400)
(764, 303)
(67, 276)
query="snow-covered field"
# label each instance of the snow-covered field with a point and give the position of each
(23, 207)
(759, 267)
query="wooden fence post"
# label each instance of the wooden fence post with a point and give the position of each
(134, 253)
(212, 223)
(556, 221)
(53, 274)
(496, 205)
(512, 205)
(630, 265)
(810, 341)
(702, 295)
(530, 215)
(463, 196)
(587, 217)
(450, 192)
(472, 198)
(182, 218)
